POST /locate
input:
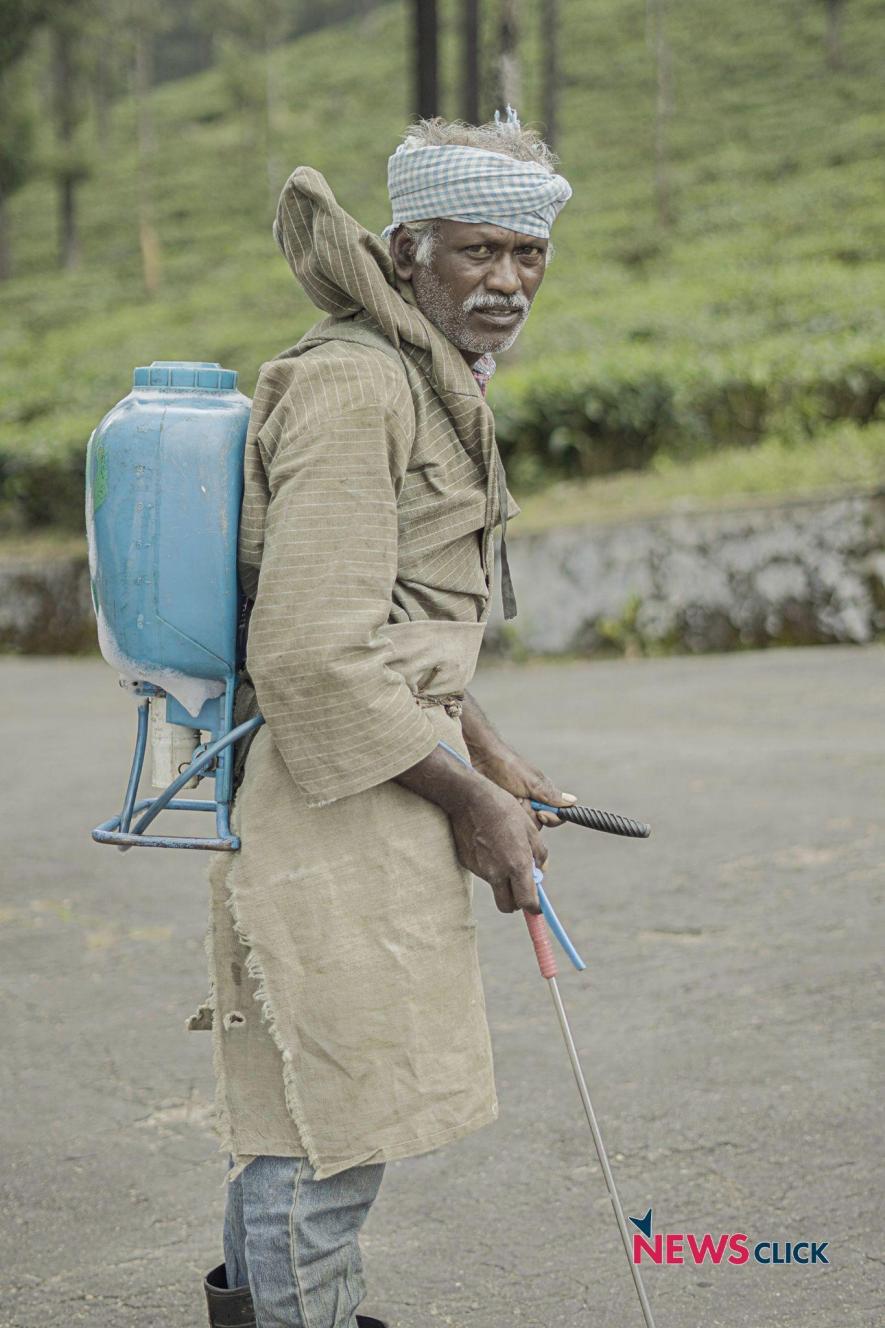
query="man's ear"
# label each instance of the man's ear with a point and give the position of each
(402, 251)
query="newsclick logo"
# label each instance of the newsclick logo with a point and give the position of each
(733, 1247)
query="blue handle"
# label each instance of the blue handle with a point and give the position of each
(553, 922)
(546, 907)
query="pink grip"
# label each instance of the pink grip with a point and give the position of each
(541, 941)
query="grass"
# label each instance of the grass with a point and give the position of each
(844, 459)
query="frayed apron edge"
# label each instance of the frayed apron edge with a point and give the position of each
(240, 1167)
(242, 1160)
(202, 1019)
(261, 995)
(204, 1016)
(222, 1115)
(411, 1148)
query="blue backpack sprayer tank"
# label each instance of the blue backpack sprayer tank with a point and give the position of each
(164, 485)
(164, 482)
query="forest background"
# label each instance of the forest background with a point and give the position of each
(711, 325)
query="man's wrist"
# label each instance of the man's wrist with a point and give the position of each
(442, 779)
(487, 748)
(480, 738)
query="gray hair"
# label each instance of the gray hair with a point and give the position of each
(424, 234)
(506, 136)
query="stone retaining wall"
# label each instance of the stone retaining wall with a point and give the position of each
(45, 605)
(796, 573)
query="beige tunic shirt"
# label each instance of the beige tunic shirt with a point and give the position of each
(345, 997)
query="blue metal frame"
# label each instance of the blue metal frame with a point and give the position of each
(216, 757)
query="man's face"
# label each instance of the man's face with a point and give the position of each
(478, 285)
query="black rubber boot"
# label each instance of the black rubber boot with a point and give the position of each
(227, 1308)
(234, 1309)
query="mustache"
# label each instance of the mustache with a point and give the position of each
(497, 303)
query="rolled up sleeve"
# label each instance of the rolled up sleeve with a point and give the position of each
(341, 717)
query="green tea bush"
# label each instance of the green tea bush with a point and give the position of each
(581, 419)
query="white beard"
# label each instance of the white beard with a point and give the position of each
(438, 304)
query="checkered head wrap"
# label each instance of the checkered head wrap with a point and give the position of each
(473, 185)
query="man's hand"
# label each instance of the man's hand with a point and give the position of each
(494, 837)
(492, 757)
(524, 781)
(497, 840)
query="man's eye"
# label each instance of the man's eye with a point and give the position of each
(531, 250)
(480, 250)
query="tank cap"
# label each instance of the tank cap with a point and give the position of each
(183, 374)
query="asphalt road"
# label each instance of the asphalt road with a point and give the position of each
(726, 1019)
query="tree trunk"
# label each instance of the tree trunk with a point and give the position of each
(101, 99)
(274, 183)
(470, 61)
(148, 239)
(65, 125)
(663, 104)
(69, 235)
(835, 13)
(550, 68)
(426, 59)
(5, 250)
(508, 57)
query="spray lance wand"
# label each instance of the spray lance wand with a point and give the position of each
(537, 924)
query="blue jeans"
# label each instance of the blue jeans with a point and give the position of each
(295, 1240)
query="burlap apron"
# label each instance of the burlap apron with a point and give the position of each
(347, 1008)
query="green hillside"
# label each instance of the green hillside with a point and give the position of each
(758, 314)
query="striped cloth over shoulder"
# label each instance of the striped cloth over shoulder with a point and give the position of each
(372, 485)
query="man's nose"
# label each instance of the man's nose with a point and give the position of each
(504, 276)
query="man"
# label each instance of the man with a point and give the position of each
(346, 1004)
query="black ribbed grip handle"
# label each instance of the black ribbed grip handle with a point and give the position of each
(610, 822)
(607, 821)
